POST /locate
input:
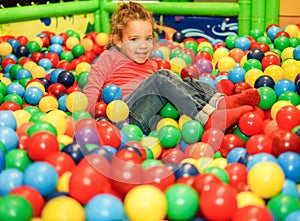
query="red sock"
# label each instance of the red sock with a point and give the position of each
(223, 119)
(248, 97)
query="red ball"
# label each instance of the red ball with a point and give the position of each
(259, 143)
(270, 59)
(162, 64)
(33, 196)
(173, 156)
(61, 161)
(237, 174)
(284, 141)
(7, 61)
(252, 212)
(203, 55)
(250, 123)
(36, 56)
(100, 109)
(229, 142)
(23, 40)
(288, 117)
(109, 134)
(219, 203)
(56, 89)
(203, 182)
(190, 71)
(53, 57)
(214, 137)
(41, 144)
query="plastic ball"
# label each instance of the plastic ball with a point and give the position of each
(284, 141)
(266, 179)
(263, 81)
(252, 75)
(9, 179)
(33, 95)
(204, 66)
(293, 216)
(13, 207)
(250, 123)
(236, 74)
(145, 202)
(289, 162)
(117, 110)
(63, 208)
(192, 131)
(132, 132)
(259, 143)
(76, 101)
(66, 78)
(8, 137)
(288, 117)
(78, 50)
(7, 119)
(281, 42)
(48, 103)
(102, 39)
(287, 53)
(226, 64)
(290, 96)
(250, 212)
(277, 106)
(284, 85)
(252, 63)
(82, 67)
(249, 198)
(111, 92)
(169, 136)
(5, 49)
(242, 43)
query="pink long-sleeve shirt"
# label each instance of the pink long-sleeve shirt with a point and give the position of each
(113, 67)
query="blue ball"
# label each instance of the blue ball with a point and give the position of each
(264, 80)
(62, 102)
(293, 216)
(14, 43)
(9, 138)
(2, 160)
(290, 163)
(290, 188)
(33, 95)
(208, 80)
(15, 88)
(185, 170)
(260, 157)
(235, 154)
(156, 53)
(7, 119)
(237, 74)
(54, 75)
(243, 43)
(23, 73)
(57, 39)
(14, 57)
(104, 207)
(45, 63)
(56, 48)
(75, 151)
(296, 53)
(66, 78)
(272, 32)
(42, 176)
(111, 92)
(10, 179)
(220, 77)
(284, 85)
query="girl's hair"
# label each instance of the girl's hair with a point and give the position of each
(127, 12)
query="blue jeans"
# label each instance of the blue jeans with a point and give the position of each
(190, 96)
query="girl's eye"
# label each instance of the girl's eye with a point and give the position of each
(150, 39)
(134, 39)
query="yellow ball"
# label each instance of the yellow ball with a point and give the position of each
(266, 179)
(226, 64)
(145, 202)
(177, 64)
(5, 49)
(63, 208)
(292, 30)
(30, 65)
(57, 120)
(38, 72)
(5, 80)
(182, 120)
(87, 43)
(21, 116)
(76, 101)
(287, 63)
(63, 182)
(166, 51)
(274, 71)
(82, 67)
(71, 42)
(220, 53)
(219, 162)
(277, 106)
(48, 103)
(287, 53)
(243, 60)
(64, 139)
(153, 144)
(36, 84)
(204, 44)
(117, 110)
(38, 40)
(102, 39)
(292, 71)
(248, 198)
(252, 75)
(166, 121)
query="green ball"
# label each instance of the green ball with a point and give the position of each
(169, 111)
(192, 45)
(83, 79)
(207, 49)
(15, 208)
(17, 159)
(37, 117)
(252, 63)
(3, 88)
(78, 115)
(264, 39)
(174, 53)
(267, 97)
(294, 42)
(151, 162)
(290, 96)
(24, 81)
(41, 126)
(149, 153)
(183, 202)
(14, 69)
(132, 132)
(256, 33)
(192, 131)
(1, 98)
(66, 56)
(238, 132)
(2, 147)
(169, 136)
(282, 205)
(14, 98)
(218, 172)
(281, 42)
(230, 41)
(187, 58)
(33, 46)
(78, 50)
(32, 109)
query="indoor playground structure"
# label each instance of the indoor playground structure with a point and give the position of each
(59, 162)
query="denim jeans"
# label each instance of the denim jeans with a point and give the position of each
(190, 96)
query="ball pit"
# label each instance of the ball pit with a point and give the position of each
(57, 162)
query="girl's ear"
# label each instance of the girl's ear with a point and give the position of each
(116, 40)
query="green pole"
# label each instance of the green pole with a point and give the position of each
(272, 12)
(258, 14)
(244, 17)
(25, 13)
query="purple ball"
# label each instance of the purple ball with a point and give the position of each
(87, 135)
(204, 66)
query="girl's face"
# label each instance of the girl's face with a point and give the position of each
(137, 41)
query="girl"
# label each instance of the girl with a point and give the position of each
(146, 89)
